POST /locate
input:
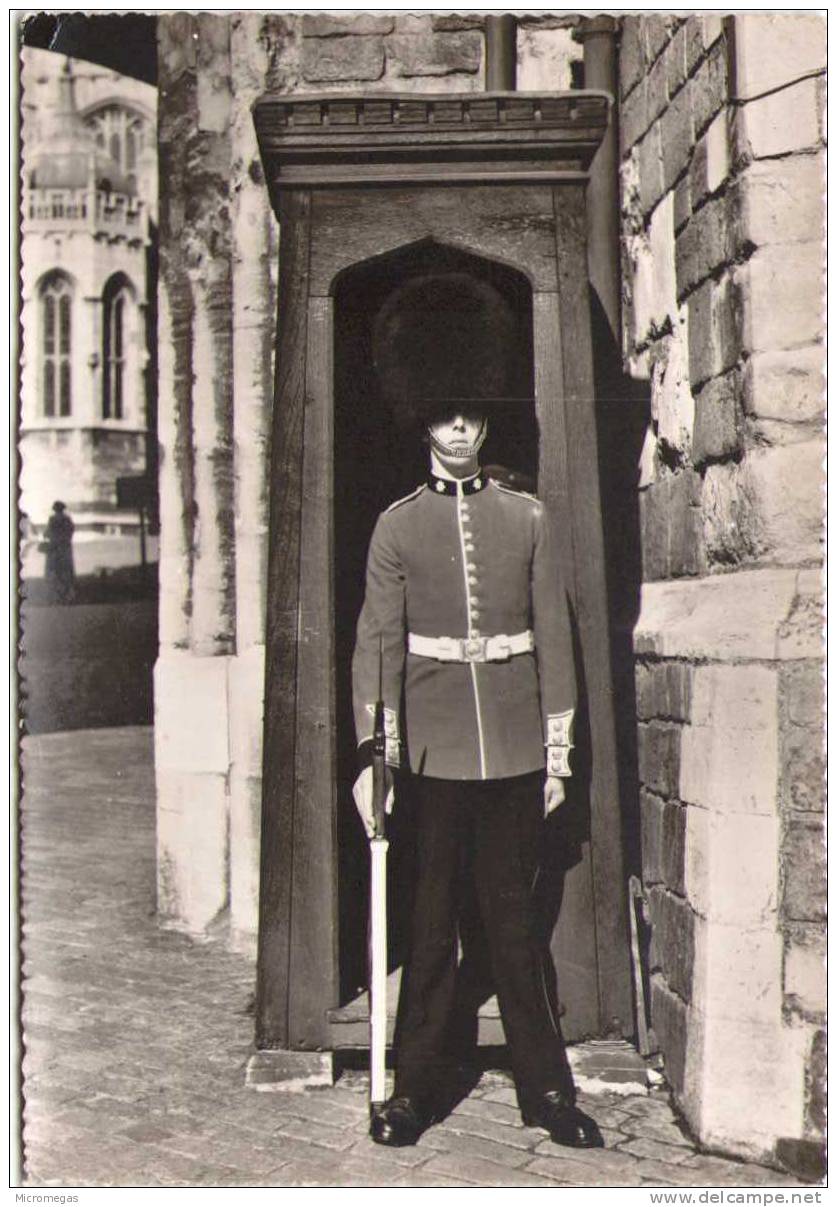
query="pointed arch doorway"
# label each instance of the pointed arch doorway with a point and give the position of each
(355, 231)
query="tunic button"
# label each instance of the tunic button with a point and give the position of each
(473, 580)
(475, 614)
(475, 632)
(469, 547)
(471, 567)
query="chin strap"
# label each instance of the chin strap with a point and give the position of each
(460, 452)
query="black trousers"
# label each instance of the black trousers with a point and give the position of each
(480, 836)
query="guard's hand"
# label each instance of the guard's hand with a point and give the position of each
(362, 792)
(553, 794)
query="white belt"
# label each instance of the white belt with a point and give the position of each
(471, 649)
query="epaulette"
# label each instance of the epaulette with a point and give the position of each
(399, 502)
(518, 494)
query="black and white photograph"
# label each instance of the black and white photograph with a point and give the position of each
(418, 486)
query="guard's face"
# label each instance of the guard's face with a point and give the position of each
(458, 431)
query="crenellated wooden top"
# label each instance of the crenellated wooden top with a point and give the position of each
(320, 140)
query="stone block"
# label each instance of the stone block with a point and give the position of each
(800, 633)
(657, 93)
(651, 273)
(694, 42)
(354, 57)
(659, 757)
(815, 1086)
(786, 385)
(675, 56)
(738, 697)
(803, 765)
(717, 431)
(669, 1017)
(672, 949)
(650, 169)
(434, 54)
(651, 810)
(246, 710)
(327, 25)
(710, 166)
(413, 23)
(802, 687)
(682, 202)
(713, 330)
(245, 845)
(722, 886)
(729, 754)
(670, 526)
(677, 136)
(709, 88)
(731, 532)
(704, 246)
(631, 53)
(544, 58)
(661, 243)
(804, 980)
(191, 848)
(633, 117)
(663, 842)
(673, 853)
(786, 485)
(703, 360)
(782, 201)
(656, 30)
(738, 971)
(289, 1072)
(191, 715)
(664, 691)
(725, 617)
(454, 22)
(177, 46)
(774, 49)
(702, 31)
(803, 869)
(778, 124)
(747, 1078)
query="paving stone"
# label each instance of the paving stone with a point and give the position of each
(483, 1173)
(470, 1125)
(137, 1037)
(573, 1173)
(461, 1144)
(656, 1150)
(656, 1129)
(482, 1108)
(316, 1133)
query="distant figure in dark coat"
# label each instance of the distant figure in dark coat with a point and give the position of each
(58, 539)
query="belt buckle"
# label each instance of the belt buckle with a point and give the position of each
(475, 649)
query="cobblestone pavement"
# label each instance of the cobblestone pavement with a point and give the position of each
(136, 1038)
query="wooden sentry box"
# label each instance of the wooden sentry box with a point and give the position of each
(499, 180)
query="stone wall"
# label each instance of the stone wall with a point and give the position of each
(722, 224)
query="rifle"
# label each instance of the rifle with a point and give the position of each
(378, 847)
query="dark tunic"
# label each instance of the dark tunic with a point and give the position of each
(462, 560)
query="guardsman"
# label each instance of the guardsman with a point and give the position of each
(465, 606)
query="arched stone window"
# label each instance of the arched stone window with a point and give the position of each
(56, 303)
(115, 331)
(123, 131)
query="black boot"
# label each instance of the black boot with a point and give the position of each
(563, 1120)
(397, 1123)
